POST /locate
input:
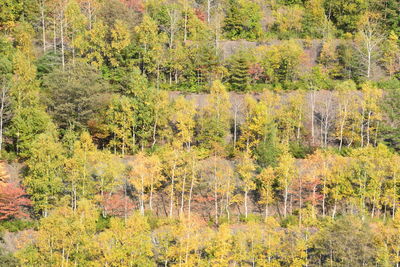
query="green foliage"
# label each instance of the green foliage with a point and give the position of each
(347, 241)
(25, 126)
(8, 260)
(215, 120)
(268, 151)
(299, 150)
(6, 55)
(243, 20)
(10, 13)
(45, 173)
(346, 14)
(95, 124)
(16, 225)
(282, 62)
(102, 223)
(74, 96)
(239, 78)
(48, 63)
(391, 106)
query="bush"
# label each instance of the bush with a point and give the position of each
(16, 225)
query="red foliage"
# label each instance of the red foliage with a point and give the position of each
(136, 5)
(256, 72)
(200, 14)
(12, 202)
(117, 204)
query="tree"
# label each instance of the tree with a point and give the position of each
(370, 113)
(239, 72)
(121, 123)
(346, 241)
(390, 105)
(145, 175)
(388, 244)
(370, 167)
(290, 117)
(108, 171)
(66, 236)
(75, 95)
(126, 244)
(120, 41)
(267, 179)
(289, 19)
(10, 14)
(150, 42)
(218, 176)
(350, 63)
(184, 119)
(390, 54)
(45, 174)
(146, 114)
(188, 242)
(254, 129)
(314, 18)
(93, 46)
(345, 15)
(281, 62)
(13, 202)
(369, 39)
(28, 116)
(347, 112)
(220, 247)
(76, 25)
(245, 169)
(391, 185)
(79, 177)
(215, 117)
(5, 112)
(172, 166)
(242, 20)
(285, 173)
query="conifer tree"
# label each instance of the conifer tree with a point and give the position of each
(239, 78)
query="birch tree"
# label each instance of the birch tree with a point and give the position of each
(245, 169)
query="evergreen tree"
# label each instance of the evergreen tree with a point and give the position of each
(239, 78)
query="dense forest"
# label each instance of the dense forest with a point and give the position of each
(199, 133)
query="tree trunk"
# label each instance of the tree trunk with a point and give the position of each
(362, 127)
(171, 204)
(208, 11)
(245, 203)
(151, 195)
(215, 190)
(334, 210)
(191, 192)
(235, 127)
(42, 18)
(368, 126)
(285, 202)
(125, 201)
(183, 193)
(54, 34)
(342, 127)
(312, 117)
(142, 195)
(2, 106)
(369, 56)
(395, 196)
(62, 39)
(227, 204)
(154, 132)
(185, 28)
